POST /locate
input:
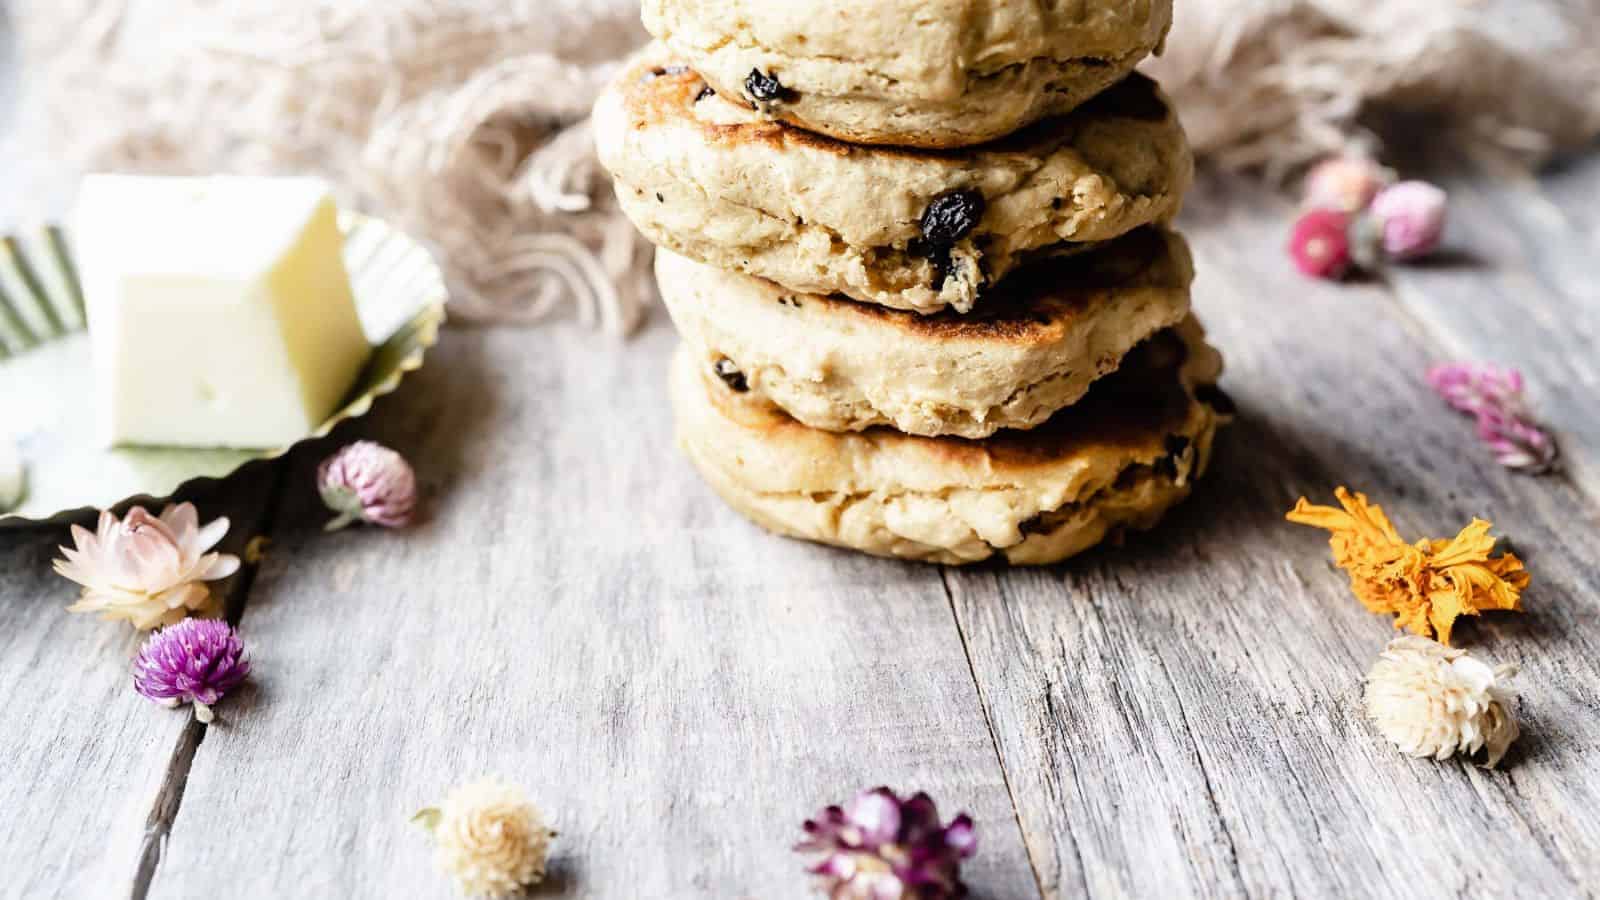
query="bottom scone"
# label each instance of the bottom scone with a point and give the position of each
(1117, 460)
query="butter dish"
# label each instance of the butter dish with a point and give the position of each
(47, 396)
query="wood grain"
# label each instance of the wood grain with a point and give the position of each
(93, 770)
(678, 690)
(1182, 718)
(1517, 286)
(579, 614)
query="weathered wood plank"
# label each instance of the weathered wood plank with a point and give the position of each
(1183, 717)
(677, 689)
(1572, 185)
(92, 769)
(1519, 287)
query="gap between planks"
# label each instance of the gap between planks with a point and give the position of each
(169, 799)
(988, 722)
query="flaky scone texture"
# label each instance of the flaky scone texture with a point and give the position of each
(706, 178)
(841, 365)
(913, 73)
(1111, 464)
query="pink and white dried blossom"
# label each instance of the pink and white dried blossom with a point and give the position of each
(1345, 183)
(1495, 398)
(1411, 218)
(146, 570)
(368, 482)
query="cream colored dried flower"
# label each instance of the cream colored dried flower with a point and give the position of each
(147, 570)
(490, 838)
(1431, 700)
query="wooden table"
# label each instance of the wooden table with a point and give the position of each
(680, 690)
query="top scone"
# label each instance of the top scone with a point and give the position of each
(921, 230)
(915, 73)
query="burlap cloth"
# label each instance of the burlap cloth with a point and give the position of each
(464, 120)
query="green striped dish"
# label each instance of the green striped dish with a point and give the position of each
(45, 382)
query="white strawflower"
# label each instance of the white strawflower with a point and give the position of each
(490, 838)
(147, 570)
(1431, 700)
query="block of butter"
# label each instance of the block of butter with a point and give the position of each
(220, 311)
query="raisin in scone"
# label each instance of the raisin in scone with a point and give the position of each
(1116, 461)
(1049, 332)
(705, 177)
(914, 73)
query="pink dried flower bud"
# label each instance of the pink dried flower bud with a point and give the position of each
(1320, 244)
(1494, 396)
(368, 482)
(1517, 443)
(1345, 183)
(1473, 388)
(1412, 215)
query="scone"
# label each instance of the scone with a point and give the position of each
(915, 73)
(1118, 460)
(921, 230)
(1034, 347)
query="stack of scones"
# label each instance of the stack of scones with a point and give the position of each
(918, 252)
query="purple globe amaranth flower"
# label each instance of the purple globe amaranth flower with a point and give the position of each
(1411, 215)
(880, 847)
(1494, 397)
(195, 661)
(368, 482)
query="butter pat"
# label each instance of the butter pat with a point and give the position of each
(220, 311)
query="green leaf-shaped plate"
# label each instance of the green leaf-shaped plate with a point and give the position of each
(45, 380)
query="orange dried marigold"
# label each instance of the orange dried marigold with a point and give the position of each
(1425, 585)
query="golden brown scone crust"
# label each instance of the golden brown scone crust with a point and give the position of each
(1116, 461)
(1033, 348)
(915, 73)
(709, 179)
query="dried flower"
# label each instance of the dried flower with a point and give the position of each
(1320, 244)
(1494, 396)
(195, 661)
(368, 482)
(880, 847)
(1425, 585)
(1433, 701)
(147, 570)
(1365, 236)
(489, 837)
(255, 550)
(1412, 214)
(1345, 183)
